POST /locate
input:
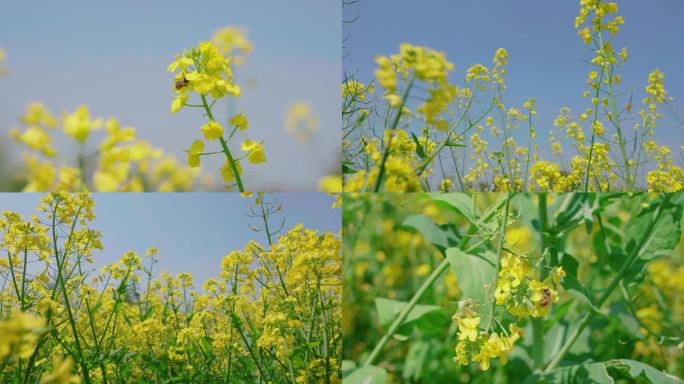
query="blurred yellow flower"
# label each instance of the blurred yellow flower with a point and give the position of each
(255, 151)
(301, 121)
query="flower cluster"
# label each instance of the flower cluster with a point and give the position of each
(356, 89)
(521, 293)
(481, 346)
(206, 70)
(659, 311)
(400, 164)
(121, 162)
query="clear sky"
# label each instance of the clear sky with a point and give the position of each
(112, 56)
(545, 51)
(193, 231)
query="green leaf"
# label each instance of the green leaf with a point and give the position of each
(419, 148)
(574, 209)
(415, 360)
(427, 318)
(571, 283)
(475, 274)
(347, 168)
(664, 236)
(369, 374)
(603, 373)
(348, 366)
(635, 369)
(205, 343)
(585, 374)
(441, 236)
(619, 313)
(557, 336)
(453, 144)
(460, 202)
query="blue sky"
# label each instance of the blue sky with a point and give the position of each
(545, 52)
(193, 231)
(112, 56)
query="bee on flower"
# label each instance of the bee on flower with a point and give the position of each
(207, 71)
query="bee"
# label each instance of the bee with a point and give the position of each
(546, 299)
(182, 82)
(466, 305)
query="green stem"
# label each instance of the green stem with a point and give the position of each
(633, 255)
(385, 155)
(82, 164)
(537, 322)
(407, 309)
(499, 251)
(224, 145)
(447, 138)
(529, 151)
(23, 281)
(595, 119)
(62, 284)
(621, 139)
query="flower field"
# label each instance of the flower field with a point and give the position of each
(413, 127)
(270, 314)
(513, 288)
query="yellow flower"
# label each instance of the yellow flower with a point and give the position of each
(385, 74)
(483, 357)
(78, 124)
(356, 89)
(231, 40)
(36, 138)
(255, 151)
(557, 274)
(227, 171)
(178, 103)
(331, 183)
(37, 114)
(301, 120)
(194, 153)
(212, 130)
(467, 328)
(240, 121)
(61, 372)
(20, 334)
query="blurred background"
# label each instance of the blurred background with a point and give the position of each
(193, 231)
(113, 57)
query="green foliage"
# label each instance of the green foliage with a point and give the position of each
(618, 318)
(604, 373)
(441, 236)
(427, 318)
(366, 375)
(476, 275)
